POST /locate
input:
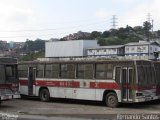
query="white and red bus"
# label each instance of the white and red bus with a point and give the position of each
(8, 79)
(111, 81)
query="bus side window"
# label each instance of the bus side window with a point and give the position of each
(67, 71)
(118, 74)
(55, 70)
(40, 70)
(104, 71)
(22, 70)
(48, 71)
(85, 71)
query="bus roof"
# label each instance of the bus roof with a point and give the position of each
(80, 61)
(7, 60)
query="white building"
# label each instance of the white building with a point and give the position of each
(106, 51)
(90, 48)
(72, 48)
(141, 50)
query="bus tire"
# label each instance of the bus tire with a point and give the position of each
(111, 100)
(23, 96)
(44, 95)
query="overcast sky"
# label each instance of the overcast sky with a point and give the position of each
(45, 19)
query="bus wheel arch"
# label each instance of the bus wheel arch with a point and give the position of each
(44, 94)
(110, 98)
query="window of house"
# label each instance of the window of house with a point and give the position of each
(114, 50)
(144, 48)
(155, 49)
(127, 48)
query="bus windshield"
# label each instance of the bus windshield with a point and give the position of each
(146, 74)
(11, 74)
(2, 74)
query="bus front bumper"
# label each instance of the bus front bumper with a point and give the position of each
(143, 98)
(6, 97)
(16, 96)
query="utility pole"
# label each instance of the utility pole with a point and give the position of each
(149, 17)
(150, 20)
(152, 25)
(114, 22)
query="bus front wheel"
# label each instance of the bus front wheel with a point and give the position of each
(44, 95)
(111, 100)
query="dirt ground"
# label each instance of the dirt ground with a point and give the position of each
(79, 109)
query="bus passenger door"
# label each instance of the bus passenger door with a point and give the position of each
(31, 80)
(126, 83)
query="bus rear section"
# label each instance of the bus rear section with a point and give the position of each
(111, 81)
(9, 87)
(146, 89)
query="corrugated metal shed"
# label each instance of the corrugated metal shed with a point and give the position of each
(72, 48)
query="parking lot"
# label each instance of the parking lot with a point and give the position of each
(74, 108)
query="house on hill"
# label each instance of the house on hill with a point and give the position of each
(142, 50)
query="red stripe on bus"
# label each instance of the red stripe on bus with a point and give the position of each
(104, 85)
(3, 86)
(23, 82)
(76, 84)
(72, 84)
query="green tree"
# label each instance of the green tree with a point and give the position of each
(30, 46)
(95, 34)
(147, 27)
(32, 56)
(106, 34)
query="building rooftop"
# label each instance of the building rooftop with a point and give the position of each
(142, 43)
(110, 46)
(72, 40)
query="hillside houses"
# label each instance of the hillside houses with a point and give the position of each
(135, 50)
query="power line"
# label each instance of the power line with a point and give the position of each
(19, 36)
(52, 29)
(27, 36)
